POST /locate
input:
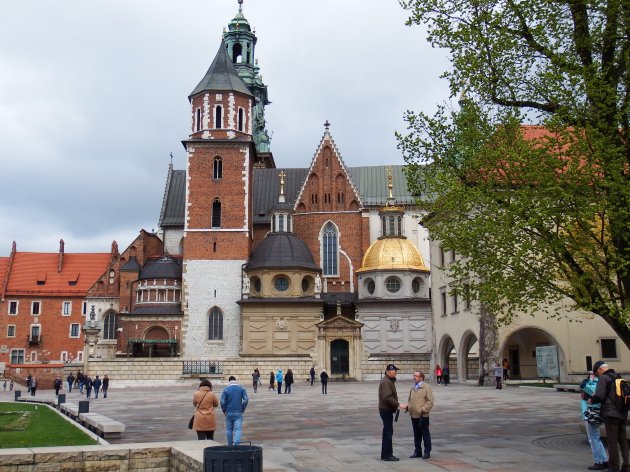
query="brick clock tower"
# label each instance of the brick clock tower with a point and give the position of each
(228, 138)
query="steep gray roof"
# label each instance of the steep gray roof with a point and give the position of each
(162, 268)
(370, 182)
(174, 199)
(222, 75)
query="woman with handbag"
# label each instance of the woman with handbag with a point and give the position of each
(204, 421)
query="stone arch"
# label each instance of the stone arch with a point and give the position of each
(519, 347)
(447, 355)
(468, 358)
(156, 332)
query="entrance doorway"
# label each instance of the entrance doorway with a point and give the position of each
(339, 357)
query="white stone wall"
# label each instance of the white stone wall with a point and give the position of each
(172, 240)
(208, 284)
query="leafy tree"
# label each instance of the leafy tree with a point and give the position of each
(539, 212)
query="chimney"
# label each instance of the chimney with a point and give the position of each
(60, 264)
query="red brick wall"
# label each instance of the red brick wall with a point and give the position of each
(54, 331)
(240, 100)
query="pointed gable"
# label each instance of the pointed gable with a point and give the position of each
(328, 185)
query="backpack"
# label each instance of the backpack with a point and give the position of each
(621, 394)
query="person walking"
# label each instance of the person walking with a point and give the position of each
(387, 406)
(29, 381)
(105, 386)
(234, 401)
(33, 385)
(288, 381)
(96, 383)
(279, 380)
(5, 385)
(614, 419)
(57, 384)
(498, 375)
(592, 419)
(446, 376)
(255, 380)
(70, 380)
(438, 374)
(272, 381)
(81, 381)
(11, 386)
(323, 377)
(205, 418)
(87, 384)
(506, 369)
(419, 405)
(312, 374)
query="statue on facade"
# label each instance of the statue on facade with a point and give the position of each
(245, 283)
(318, 284)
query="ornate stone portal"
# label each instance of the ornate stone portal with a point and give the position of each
(340, 347)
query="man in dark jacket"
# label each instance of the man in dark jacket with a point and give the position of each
(70, 380)
(614, 419)
(387, 406)
(96, 383)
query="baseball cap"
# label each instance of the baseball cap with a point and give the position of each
(391, 367)
(597, 365)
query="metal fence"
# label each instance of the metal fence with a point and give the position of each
(202, 367)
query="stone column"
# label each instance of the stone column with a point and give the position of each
(91, 332)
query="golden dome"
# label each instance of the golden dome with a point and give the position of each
(392, 254)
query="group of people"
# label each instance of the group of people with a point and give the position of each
(442, 375)
(10, 385)
(83, 381)
(277, 379)
(419, 403)
(31, 384)
(599, 406)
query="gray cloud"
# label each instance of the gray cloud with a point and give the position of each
(93, 98)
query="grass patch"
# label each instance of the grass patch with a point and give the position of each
(29, 425)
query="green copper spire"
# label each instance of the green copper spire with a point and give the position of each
(240, 42)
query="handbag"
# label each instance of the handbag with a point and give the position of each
(192, 418)
(593, 416)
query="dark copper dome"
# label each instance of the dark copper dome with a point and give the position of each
(282, 250)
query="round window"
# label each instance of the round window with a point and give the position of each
(371, 286)
(281, 284)
(392, 284)
(415, 285)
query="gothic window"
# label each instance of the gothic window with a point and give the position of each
(241, 119)
(330, 250)
(218, 117)
(110, 326)
(215, 324)
(216, 213)
(217, 169)
(198, 119)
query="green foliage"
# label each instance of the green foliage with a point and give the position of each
(540, 213)
(29, 425)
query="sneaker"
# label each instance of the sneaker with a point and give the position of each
(597, 467)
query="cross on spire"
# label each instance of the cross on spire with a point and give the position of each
(327, 126)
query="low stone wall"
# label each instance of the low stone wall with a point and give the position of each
(374, 365)
(154, 457)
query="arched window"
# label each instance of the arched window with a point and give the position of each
(198, 119)
(237, 54)
(218, 117)
(215, 324)
(216, 213)
(241, 119)
(217, 168)
(111, 323)
(330, 250)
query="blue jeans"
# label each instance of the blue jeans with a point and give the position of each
(597, 448)
(387, 449)
(233, 426)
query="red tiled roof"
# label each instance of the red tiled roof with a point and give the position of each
(31, 267)
(4, 263)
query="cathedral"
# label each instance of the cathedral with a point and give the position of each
(321, 261)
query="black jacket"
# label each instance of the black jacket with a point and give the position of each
(605, 394)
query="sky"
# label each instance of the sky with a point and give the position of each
(94, 99)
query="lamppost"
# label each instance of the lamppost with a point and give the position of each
(91, 331)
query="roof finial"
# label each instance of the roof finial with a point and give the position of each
(327, 126)
(281, 197)
(171, 158)
(390, 185)
(240, 6)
